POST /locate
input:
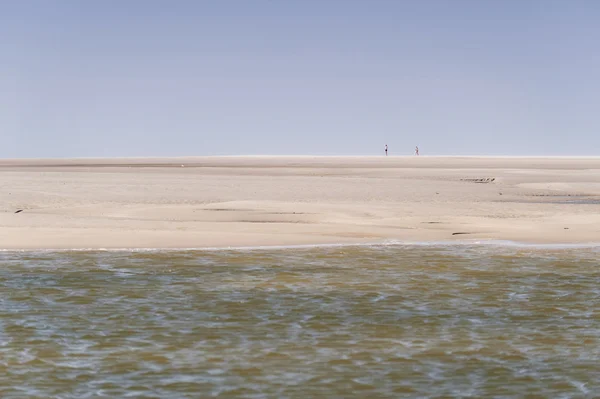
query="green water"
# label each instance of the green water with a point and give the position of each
(340, 322)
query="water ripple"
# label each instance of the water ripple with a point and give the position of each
(379, 321)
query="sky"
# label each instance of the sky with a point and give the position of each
(117, 78)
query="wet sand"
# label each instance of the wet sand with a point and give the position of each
(264, 201)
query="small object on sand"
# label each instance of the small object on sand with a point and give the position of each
(480, 180)
(460, 233)
(19, 211)
(566, 228)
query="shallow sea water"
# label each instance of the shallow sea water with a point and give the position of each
(333, 322)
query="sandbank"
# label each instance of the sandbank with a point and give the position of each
(199, 202)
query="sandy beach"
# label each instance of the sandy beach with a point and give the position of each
(267, 201)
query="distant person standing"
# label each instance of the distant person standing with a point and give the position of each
(386, 150)
(417, 150)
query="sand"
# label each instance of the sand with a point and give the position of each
(272, 201)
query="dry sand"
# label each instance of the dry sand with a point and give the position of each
(252, 201)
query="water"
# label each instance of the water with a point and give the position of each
(339, 322)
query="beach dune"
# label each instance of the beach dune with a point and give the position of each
(265, 201)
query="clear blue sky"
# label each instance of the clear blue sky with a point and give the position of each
(137, 78)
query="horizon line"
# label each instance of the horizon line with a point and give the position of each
(293, 156)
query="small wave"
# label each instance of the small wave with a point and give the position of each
(376, 244)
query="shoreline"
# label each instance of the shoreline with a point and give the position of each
(254, 201)
(506, 244)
